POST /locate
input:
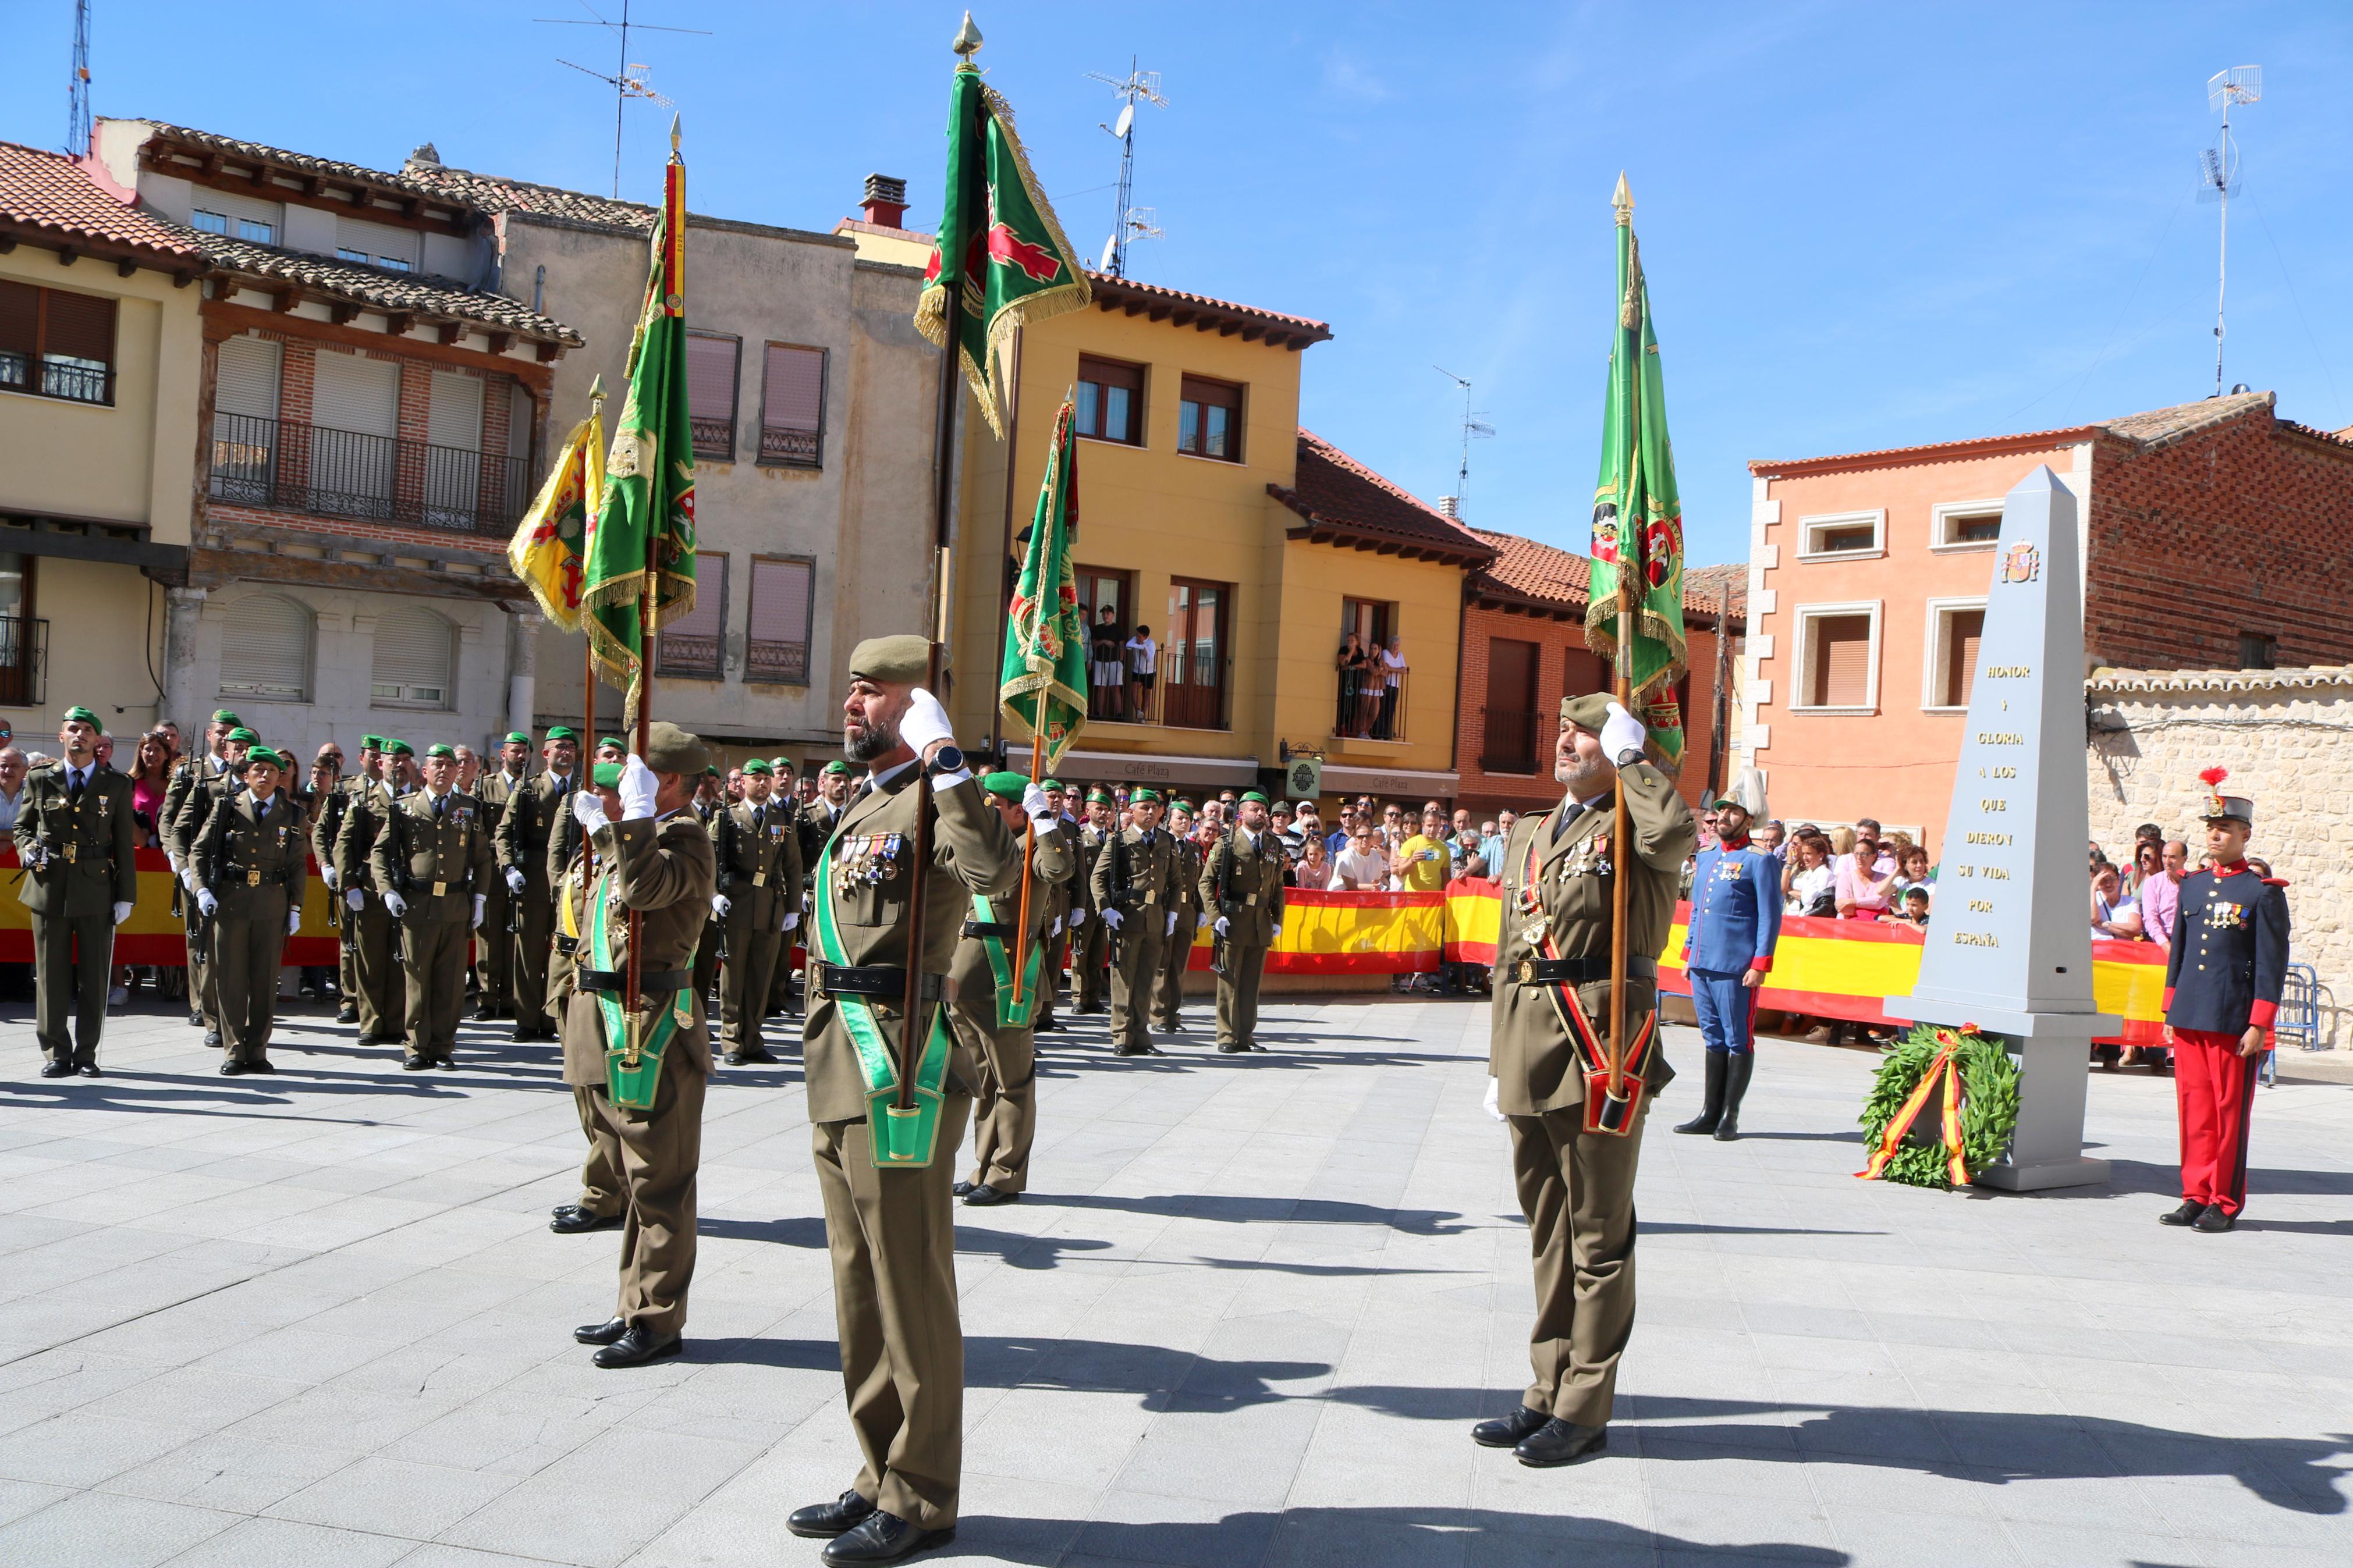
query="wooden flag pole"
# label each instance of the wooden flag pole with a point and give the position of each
(1028, 849)
(1630, 566)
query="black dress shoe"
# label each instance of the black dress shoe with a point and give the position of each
(1233, 1048)
(88, 1070)
(196, 1020)
(959, 1189)
(1046, 1026)
(2214, 1222)
(414, 1064)
(1507, 1431)
(486, 1013)
(213, 1038)
(261, 1063)
(57, 1070)
(1558, 1442)
(347, 1013)
(446, 1064)
(637, 1346)
(574, 1220)
(845, 1512)
(985, 1196)
(232, 1070)
(2188, 1213)
(882, 1538)
(603, 1334)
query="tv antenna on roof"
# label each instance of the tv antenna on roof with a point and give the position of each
(1132, 222)
(78, 87)
(2218, 178)
(624, 86)
(1473, 428)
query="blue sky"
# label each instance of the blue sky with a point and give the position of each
(1864, 226)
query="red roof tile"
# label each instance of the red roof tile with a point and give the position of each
(1346, 503)
(55, 198)
(1527, 572)
(2154, 427)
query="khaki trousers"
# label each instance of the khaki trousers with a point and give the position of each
(892, 1237)
(200, 963)
(600, 1173)
(1089, 952)
(1133, 978)
(660, 1152)
(1005, 1102)
(246, 952)
(1238, 995)
(494, 955)
(347, 970)
(706, 962)
(1577, 1189)
(71, 954)
(1168, 990)
(435, 959)
(535, 1010)
(748, 979)
(382, 988)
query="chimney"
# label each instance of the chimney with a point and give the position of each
(1449, 507)
(886, 201)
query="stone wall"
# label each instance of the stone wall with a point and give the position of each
(2286, 735)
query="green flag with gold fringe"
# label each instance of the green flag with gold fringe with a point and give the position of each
(1638, 518)
(1043, 686)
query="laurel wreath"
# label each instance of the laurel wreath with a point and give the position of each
(1988, 1104)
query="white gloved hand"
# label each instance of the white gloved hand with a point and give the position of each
(334, 883)
(790, 921)
(588, 810)
(480, 899)
(37, 858)
(187, 878)
(516, 881)
(207, 902)
(293, 923)
(1172, 924)
(356, 899)
(925, 722)
(122, 913)
(1493, 1103)
(1219, 925)
(1112, 919)
(639, 788)
(720, 905)
(1622, 732)
(1036, 806)
(1276, 931)
(397, 904)
(1056, 928)
(1078, 919)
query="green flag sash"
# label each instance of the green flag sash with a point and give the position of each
(634, 1044)
(1000, 964)
(901, 1140)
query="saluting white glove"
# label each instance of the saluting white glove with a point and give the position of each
(516, 881)
(639, 788)
(293, 923)
(1172, 924)
(1220, 924)
(1036, 806)
(1112, 919)
(1493, 1102)
(480, 899)
(790, 920)
(926, 721)
(122, 913)
(1622, 732)
(207, 902)
(397, 904)
(588, 810)
(720, 905)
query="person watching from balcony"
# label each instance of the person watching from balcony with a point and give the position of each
(1106, 671)
(1392, 668)
(1351, 670)
(1143, 661)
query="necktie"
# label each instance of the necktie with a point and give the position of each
(438, 802)
(260, 809)
(73, 785)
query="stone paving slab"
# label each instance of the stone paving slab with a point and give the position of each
(1245, 1317)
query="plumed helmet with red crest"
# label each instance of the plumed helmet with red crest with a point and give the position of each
(2225, 807)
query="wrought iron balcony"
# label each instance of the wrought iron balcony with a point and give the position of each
(289, 465)
(788, 448)
(68, 380)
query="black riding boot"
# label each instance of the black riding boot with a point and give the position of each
(1708, 1114)
(1736, 1084)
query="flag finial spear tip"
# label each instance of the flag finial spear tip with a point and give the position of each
(1622, 199)
(597, 388)
(967, 40)
(673, 140)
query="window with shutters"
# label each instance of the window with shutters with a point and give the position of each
(792, 407)
(1209, 419)
(57, 344)
(1842, 536)
(453, 453)
(1111, 401)
(415, 660)
(355, 414)
(1965, 524)
(245, 420)
(712, 359)
(1837, 657)
(266, 643)
(1954, 632)
(694, 643)
(1510, 729)
(783, 598)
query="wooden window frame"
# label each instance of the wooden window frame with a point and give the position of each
(1189, 390)
(1945, 515)
(1224, 635)
(1138, 392)
(38, 356)
(753, 674)
(1937, 651)
(665, 662)
(1491, 761)
(1807, 617)
(824, 391)
(735, 395)
(1810, 529)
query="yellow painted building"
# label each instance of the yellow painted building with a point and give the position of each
(1247, 545)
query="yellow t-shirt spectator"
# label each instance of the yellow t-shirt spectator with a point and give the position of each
(1427, 863)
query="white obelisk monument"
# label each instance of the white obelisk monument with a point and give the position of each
(2009, 949)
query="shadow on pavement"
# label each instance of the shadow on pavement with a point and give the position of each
(2145, 1177)
(1260, 1211)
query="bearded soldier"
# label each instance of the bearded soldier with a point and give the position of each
(1548, 1058)
(758, 902)
(1241, 890)
(532, 820)
(433, 861)
(1134, 885)
(250, 870)
(75, 838)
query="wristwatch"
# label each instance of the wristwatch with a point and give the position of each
(946, 759)
(1631, 756)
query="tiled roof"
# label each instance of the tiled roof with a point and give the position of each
(1346, 502)
(2154, 427)
(1703, 587)
(57, 198)
(380, 288)
(1529, 572)
(2161, 425)
(1110, 291)
(325, 168)
(498, 194)
(2123, 683)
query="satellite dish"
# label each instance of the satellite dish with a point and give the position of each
(1111, 248)
(1127, 120)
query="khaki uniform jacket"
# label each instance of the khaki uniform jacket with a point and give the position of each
(1530, 1054)
(1061, 893)
(663, 868)
(239, 857)
(1253, 879)
(1090, 841)
(1150, 876)
(1187, 898)
(372, 801)
(762, 865)
(972, 852)
(437, 865)
(327, 824)
(497, 788)
(90, 864)
(1051, 866)
(196, 808)
(536, 833)
(186, 774)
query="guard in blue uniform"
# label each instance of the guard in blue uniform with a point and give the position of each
(1736, 919)
(2222, 984)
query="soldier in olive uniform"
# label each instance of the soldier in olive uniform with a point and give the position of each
(433, 860)
(655, 861)
(890, 1230)
(75, 838)
(1090, 937)
(1551, 1037)
(1242, 889)
(376, 961)
(758, 846)
(1058, 922)
(1169, 989)
(988, 1021)
(708, 803)
(818, 819)
(602, 1200)
(251, 867)
(326, 827)
(494, 955)
(530, 826)
(186, 774)
(1135, 889)
(196, 807)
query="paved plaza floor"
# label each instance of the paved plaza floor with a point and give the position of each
(1247, 1317)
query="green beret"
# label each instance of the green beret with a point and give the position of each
(516, 738)
(442, 749)
(561, 733)
(370, 743)
(670, 750)
(711, 770)
(1141, 792)
(240, 734)
(78, 715)
(1103, 794)
(223, 716)
(758, 766)
(395, 747)
(606, 774)
(1589, 713)
(903, 660)
(1049, 784)
(1186, 806)
(1250, 795)
(1005, 782)
(837, 766)
(613, 740)
(264, 754)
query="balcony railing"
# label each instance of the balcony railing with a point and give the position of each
(781, 449)
(1509, 742)
(777, 663)
(684, 653)
(713, 438)
(24, 661)
(292, 465)
(68, 380)
(1188, 693)
(1366, 707)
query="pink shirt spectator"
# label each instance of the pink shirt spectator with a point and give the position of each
(1855, 887)
(2160, 906)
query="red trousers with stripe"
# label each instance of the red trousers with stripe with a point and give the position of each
(2214, 1089)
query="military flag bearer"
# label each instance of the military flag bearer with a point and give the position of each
(250, 875)
(75, 839)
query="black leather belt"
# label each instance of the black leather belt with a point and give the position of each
(1001, 932)
(872, 980)
(1579, 971)
(617, 980)
(567, 945)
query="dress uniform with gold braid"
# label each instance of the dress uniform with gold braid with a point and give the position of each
(186, 774)
(1242, 893)
(1135, 885)
(250, 870)
(530, 839)
(196, 807)
(494, 953)
(433, 860)
(382, 989)
(75, 837)
(759, 902)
